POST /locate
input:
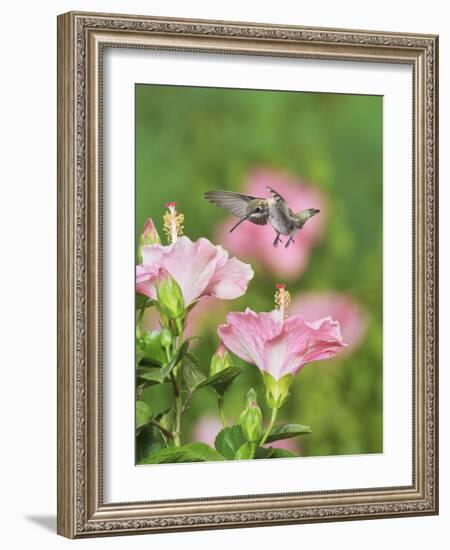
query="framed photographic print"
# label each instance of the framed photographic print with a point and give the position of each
(247, 277)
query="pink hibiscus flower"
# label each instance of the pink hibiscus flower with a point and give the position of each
(255, 242)
(280, 346)
(199, 268)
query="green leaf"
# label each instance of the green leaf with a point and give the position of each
(145, 362)
(168, 368)
(148, 441)
(192, 376)
(193, 452)
(192, 358)
(285, 431)
(245, 451)
(143, 413)
(228, 441)
(153, 375)
(273, 452)
(151, 372)
(150, 346)
(263, 452)
(280, 453)
(221, 381)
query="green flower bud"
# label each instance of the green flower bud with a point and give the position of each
(277, 391)
(250, 419)
(148, 236)
(169, 296)
(220, 361)
(251, 397)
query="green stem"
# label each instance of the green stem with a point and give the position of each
(252, 450)
(270, 426)
(140, 317)
(177, 434)
(176, 381)
(139, 390)
(178, 407)
(221, 411)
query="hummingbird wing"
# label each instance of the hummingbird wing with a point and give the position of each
(236, 203)
(281, 203)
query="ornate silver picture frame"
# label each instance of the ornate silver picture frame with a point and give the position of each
(82, 41)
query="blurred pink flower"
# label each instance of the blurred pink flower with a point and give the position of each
(280, 346)
(255, 242)
(205, 429)
(351, 316)
(199, 268)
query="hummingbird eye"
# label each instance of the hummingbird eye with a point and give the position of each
(258, 209)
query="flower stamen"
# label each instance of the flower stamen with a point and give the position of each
(282, 299)
(173, 222)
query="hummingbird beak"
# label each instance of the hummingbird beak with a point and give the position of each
(239, 222)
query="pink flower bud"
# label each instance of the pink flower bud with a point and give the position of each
(220, 361)
(148, 236)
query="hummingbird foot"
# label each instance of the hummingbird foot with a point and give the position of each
(277, 240)
(290, 240)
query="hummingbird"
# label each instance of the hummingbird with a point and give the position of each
(263, 211)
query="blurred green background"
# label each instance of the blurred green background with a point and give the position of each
(191, 140)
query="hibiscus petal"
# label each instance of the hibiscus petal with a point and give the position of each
(152, 254)
(326, 342)
(275, 357)
(230, 278)
(299, 343)
(192, 265)
(245, 333)
(145, 281)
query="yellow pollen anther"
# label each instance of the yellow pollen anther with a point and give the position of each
(173, 223)
(282, 299)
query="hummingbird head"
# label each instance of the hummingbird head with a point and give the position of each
(257, 209)
(303, 216)
(312, 212)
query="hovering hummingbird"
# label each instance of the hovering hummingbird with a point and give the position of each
(262, 211)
